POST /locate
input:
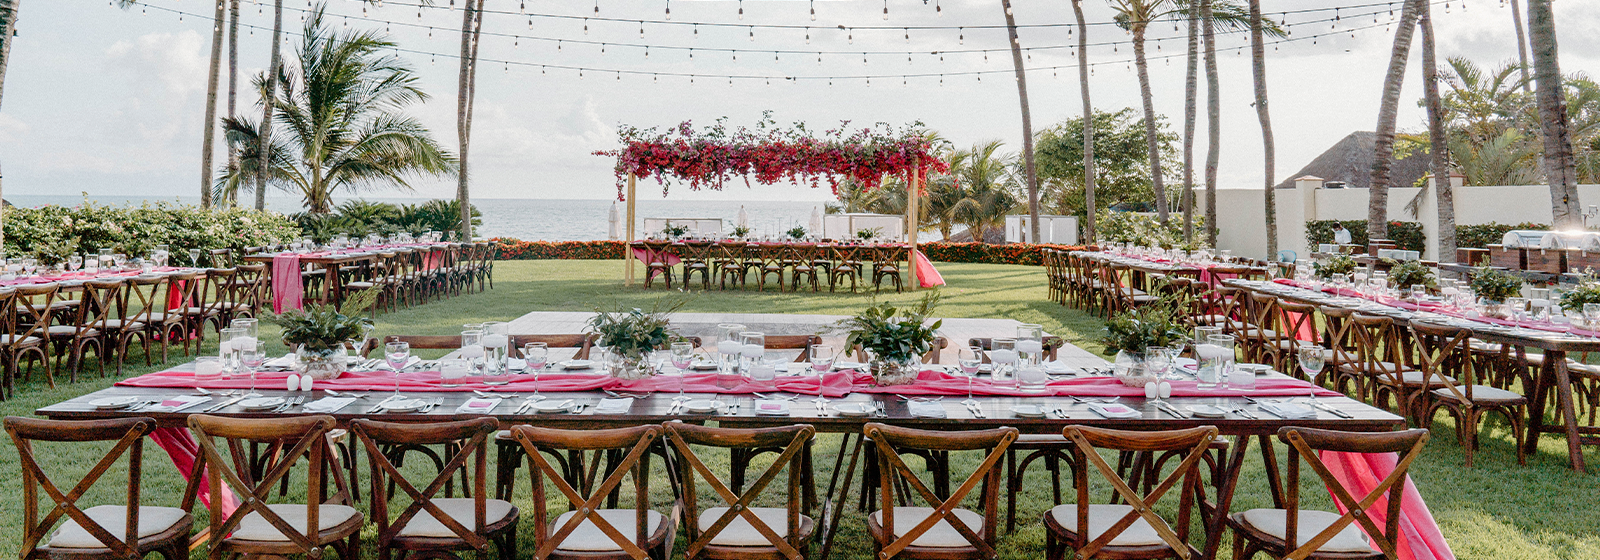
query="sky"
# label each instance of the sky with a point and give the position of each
(111, 101)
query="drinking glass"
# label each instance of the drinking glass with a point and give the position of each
(535, 355)
(970, 360)
(682, 358)
(1518, 307)
(451, 372)
(729, 346)
(1216, 359)
(1031, 377)
(252, 328)
(752, 345)
(194, 258)
(472, 349)
(228, 350)
(821, 359)
(1201, 333)
(207, 368)
(1004, 356)
(397, 354)
(1311, 360)
(250, 357)
(74, 262)
(1591, 316)
(105, 258)
(1158, 360)
(119, 260)
(496, 345)
(1030, 343)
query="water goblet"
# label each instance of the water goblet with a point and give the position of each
(397, 353)
(970, 360)
(194, 258)
(74, 262)
(1158, 361)
(821, 357)
(1311, 360)
(682, 358)
(534, 356)
(1591, 317)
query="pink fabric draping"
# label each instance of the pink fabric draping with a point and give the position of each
(181, 446)
(647, 256)
(926, 274)
(1420, 538)
(1434, 307)
(287, 289)
(932, 382)
(44, 279)
(1307, 330)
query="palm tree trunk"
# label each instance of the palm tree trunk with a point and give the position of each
(1560, 168)
(1213, 122)
(1383, 137)
(208, 137)
(8, 26)
(1437, 141)
(1028, 169)
(1258, 66)
(1152, 142)
(1191, 85)
(1522, 47)
(264, 138)
(1088, 122)
(471, 25)
(233, 88)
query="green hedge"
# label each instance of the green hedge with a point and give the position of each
(1016, 253)
(1405, 235)
(1482, 235)
(51, 233)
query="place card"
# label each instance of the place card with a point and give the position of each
(174, 404)
(771, 407)
(1115, 411)
(478, 405)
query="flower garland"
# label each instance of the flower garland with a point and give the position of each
(708, 158)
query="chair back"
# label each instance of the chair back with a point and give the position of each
(141, 300)
(33, 310)
(128, 435)
(891, 441)
(581, 342)
(1306, 444)
(1191, 443)
(1379, 341)
(101, 299)
(222, 258)
(1051, 344)
(470, 441)
(250, 288)
(633, 444)
(182, 288)
(1441, 350)
(791, 440)
(802, 342)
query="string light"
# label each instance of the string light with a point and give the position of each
(741, 10)
(813, 10)
(886, 10)
(669, 9)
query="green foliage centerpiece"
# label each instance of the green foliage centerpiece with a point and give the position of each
(1337, 264)
(1493, 286)
(1404, 275)
(1129, 333)
(895, 338)
(320, 332)
(1587, 291)
(632, 335)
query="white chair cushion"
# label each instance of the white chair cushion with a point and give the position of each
(942, 535)
(740, 532)
(254, 527)
(1274, 522)
(1102, 517)
(1415, 378)
(589, 538)
(114, 519)
(424, 524)
(1482, 394)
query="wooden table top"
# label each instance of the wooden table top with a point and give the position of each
(347, 257)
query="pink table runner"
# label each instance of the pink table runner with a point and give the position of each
(181, 446)
(1420, 538)
(926, 274)
(1432, 307)
(288, 289)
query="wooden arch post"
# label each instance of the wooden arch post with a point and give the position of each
(913, 190)
(627, 240)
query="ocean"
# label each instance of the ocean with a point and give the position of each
(531, 219)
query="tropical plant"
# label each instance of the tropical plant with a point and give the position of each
(360, 218)
(891, 334)
(1388, 111)
(1404, 274)
(1155, 324)
(868, 233)
(741, 231)
(1143, 229)
(52, 233)
(983, 194)
(342, 111)
(1030, 174)
(1444, 192)
(1493, 284)
(635, 333)
(324, 327)
(267, 155)
(1121, 163)
(796, 233)
(1560, 164)
(466, 88)
(1089, 230)
(1337, 264)
(1135, 16)
(1258, 73)
(674, 231)
(1587, 291)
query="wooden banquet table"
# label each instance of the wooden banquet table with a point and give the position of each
(333, 261)
(996, 410)
(1552, 374)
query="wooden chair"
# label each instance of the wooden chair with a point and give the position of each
(1293, 319)
(1386, 362)
(141, 300)
(1442, 348)
(846, 263)
(1131, 529)
(1052, 343)
(655, 263)
(772, 262)
(92, 326)
(381, 275)
(431, 525)
(805, 257)
(696, 257)
(221, 258)
(170, 317)
(885, 266)
(259, 528)
(737, 528)
(589, 531)
(110, 532)
(1341, 356)
(1260, 335)
(29, 335)
(1313, 534)
(730, 264)
(943, 531)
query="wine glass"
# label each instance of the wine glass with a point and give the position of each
(821, 359)
(194, 258)
(1311, 360)
(1591, 317)
(970, 360)
(535, 355)
(74, 262)
(397, 353)
(682, 358)
(119, 261)
(1158, 360)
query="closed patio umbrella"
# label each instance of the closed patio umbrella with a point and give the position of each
(816, 222)
(744, 219)
(614, 222)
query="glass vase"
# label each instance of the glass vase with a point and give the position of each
(321, 365)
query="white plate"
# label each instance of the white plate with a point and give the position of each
(1258, 369)
(260, 403)
(113, 402)
(852, 409)
(1028, 411)
(848, 365)
(1206, 411)
(701, 406)
(576, 364)
(404, 405)
(551, 406)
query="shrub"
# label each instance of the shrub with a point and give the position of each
(517, 249)
(1405, 235)
(1482, 235)
(983, 253)
(54, 232)
(1144, 229)
(358, 218)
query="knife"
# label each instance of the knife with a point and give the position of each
(224, 404)
(1331, 410)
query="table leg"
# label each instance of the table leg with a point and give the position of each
(832, 524)
(1269, 460)
(1219, 516)
(332, 292)
(1557, 360)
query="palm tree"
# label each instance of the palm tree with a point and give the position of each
(1029, 171)
(1522, 48)
(1258, 66)
(1088, 119)
(471, 30)
(263, 137)
(1190, 86)
(1136, 16)
(213, 69)
(1213, 122)
(1388, 108)
(1441, 162)
(1560, 167)
(342, 111)
(981, 172)
(233, 80)
(8, 25)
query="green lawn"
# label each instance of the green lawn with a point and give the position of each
(1496, 510)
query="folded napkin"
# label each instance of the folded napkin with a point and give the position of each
(174, 404)
(926, 409)
(1288, 411)
(1059, 368)
(287, 361)
(771, 407)
(328, 405)
(516, 364)
(1115, 411)
(614, 406)
(478, 405)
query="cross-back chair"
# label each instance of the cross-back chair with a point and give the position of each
(92, 326)
(118, 532)
(730, 263)
(1131, 529)
(655, 262)
(588, 530)
(696, 257)
(1341, 366)
(846, 263)
(1387, 367)
(33, 314)
(886, 266)
(432, 524)
(1442, 348)
(1293, 319)
(1299, 534)
(944, 530)
(739, 528)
